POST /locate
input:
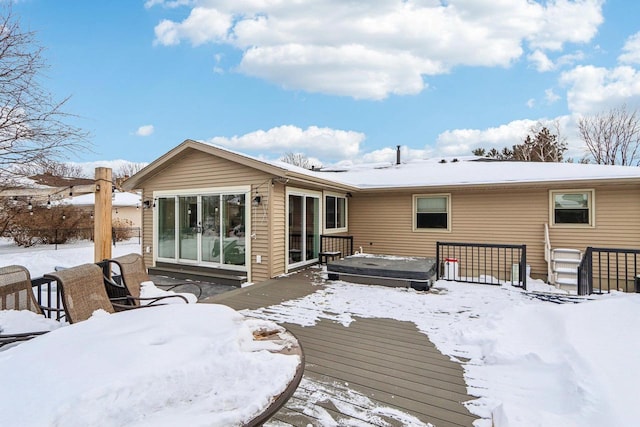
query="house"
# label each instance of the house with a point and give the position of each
(125, 207)
(215, 210)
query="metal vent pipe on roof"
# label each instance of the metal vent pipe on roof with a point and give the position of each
(397, 154)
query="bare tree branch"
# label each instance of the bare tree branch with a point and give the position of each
(612, 137)
(298, 159)
(32, 122)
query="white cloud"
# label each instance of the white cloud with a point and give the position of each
(566, 21)
(461, 142)
(593, 89)
(464, 141)
(550, 96)
(531, 103)
(388, 155)
(201, 26)
(324, 143)
(145, 130)
(170, 4)
(569, 59)
(374, 49)
(631, 50)
(541, 61)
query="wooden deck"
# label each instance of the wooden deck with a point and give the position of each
(388, 361)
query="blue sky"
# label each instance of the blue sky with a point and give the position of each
(335, 80)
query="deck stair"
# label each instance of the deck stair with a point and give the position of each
(564, 266)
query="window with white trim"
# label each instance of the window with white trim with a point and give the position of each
(335, 208)
(432, 212)
(572, 207)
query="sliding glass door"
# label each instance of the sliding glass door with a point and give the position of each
(202, 229)
(303, 228)
(188, 228)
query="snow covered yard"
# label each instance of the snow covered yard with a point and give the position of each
(195, 364)
(42, 259)
(530, 362)
(178, 364)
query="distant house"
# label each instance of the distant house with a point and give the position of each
(125, 207)
(211, 209)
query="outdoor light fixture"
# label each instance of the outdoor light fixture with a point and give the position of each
(91, 216)
(49, 203)
(116, 211)
(257, 200)
(30, 206)
(71, 191)
(64, 217)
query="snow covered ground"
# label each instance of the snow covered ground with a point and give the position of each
(529, 362)
(42, 259)
(179, 364)
(173, 365)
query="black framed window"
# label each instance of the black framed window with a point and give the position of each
(335, 212)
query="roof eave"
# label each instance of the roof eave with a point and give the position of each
(135, 181)
(513, 184)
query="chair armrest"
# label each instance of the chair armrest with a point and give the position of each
(114, 290)
(120, 307)
(13, 338)
(170, 288)
(152, 299)
(159, 298)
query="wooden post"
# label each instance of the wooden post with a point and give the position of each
(102, 219)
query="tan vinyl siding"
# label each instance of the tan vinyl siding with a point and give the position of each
(260, 244)
(147, 227)
(195, 169)
(381, 223)
(278, 230)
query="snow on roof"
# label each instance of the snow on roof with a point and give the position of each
(430, 173)
(122, 199)
(465, 170)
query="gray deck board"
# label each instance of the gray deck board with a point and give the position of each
(386, 360)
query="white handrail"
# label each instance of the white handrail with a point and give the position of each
(547, 253)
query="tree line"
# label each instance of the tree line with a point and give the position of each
(610, 138)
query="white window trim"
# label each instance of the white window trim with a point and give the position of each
(592, 208)
(300, 192)
(414, 213)
(336, 230)
(244, 189)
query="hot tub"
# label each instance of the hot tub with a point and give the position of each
(384, 270)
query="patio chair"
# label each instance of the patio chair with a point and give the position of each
(133, 273)
(83, 291)
(16, 294)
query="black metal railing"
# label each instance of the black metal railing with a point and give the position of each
(484, 263)
(604, 269)
(340, 245)
(58, 236)
(49, 297)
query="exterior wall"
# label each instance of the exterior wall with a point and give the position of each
(130, 213)
(194, 170)
(278, 230)
(381, 223)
